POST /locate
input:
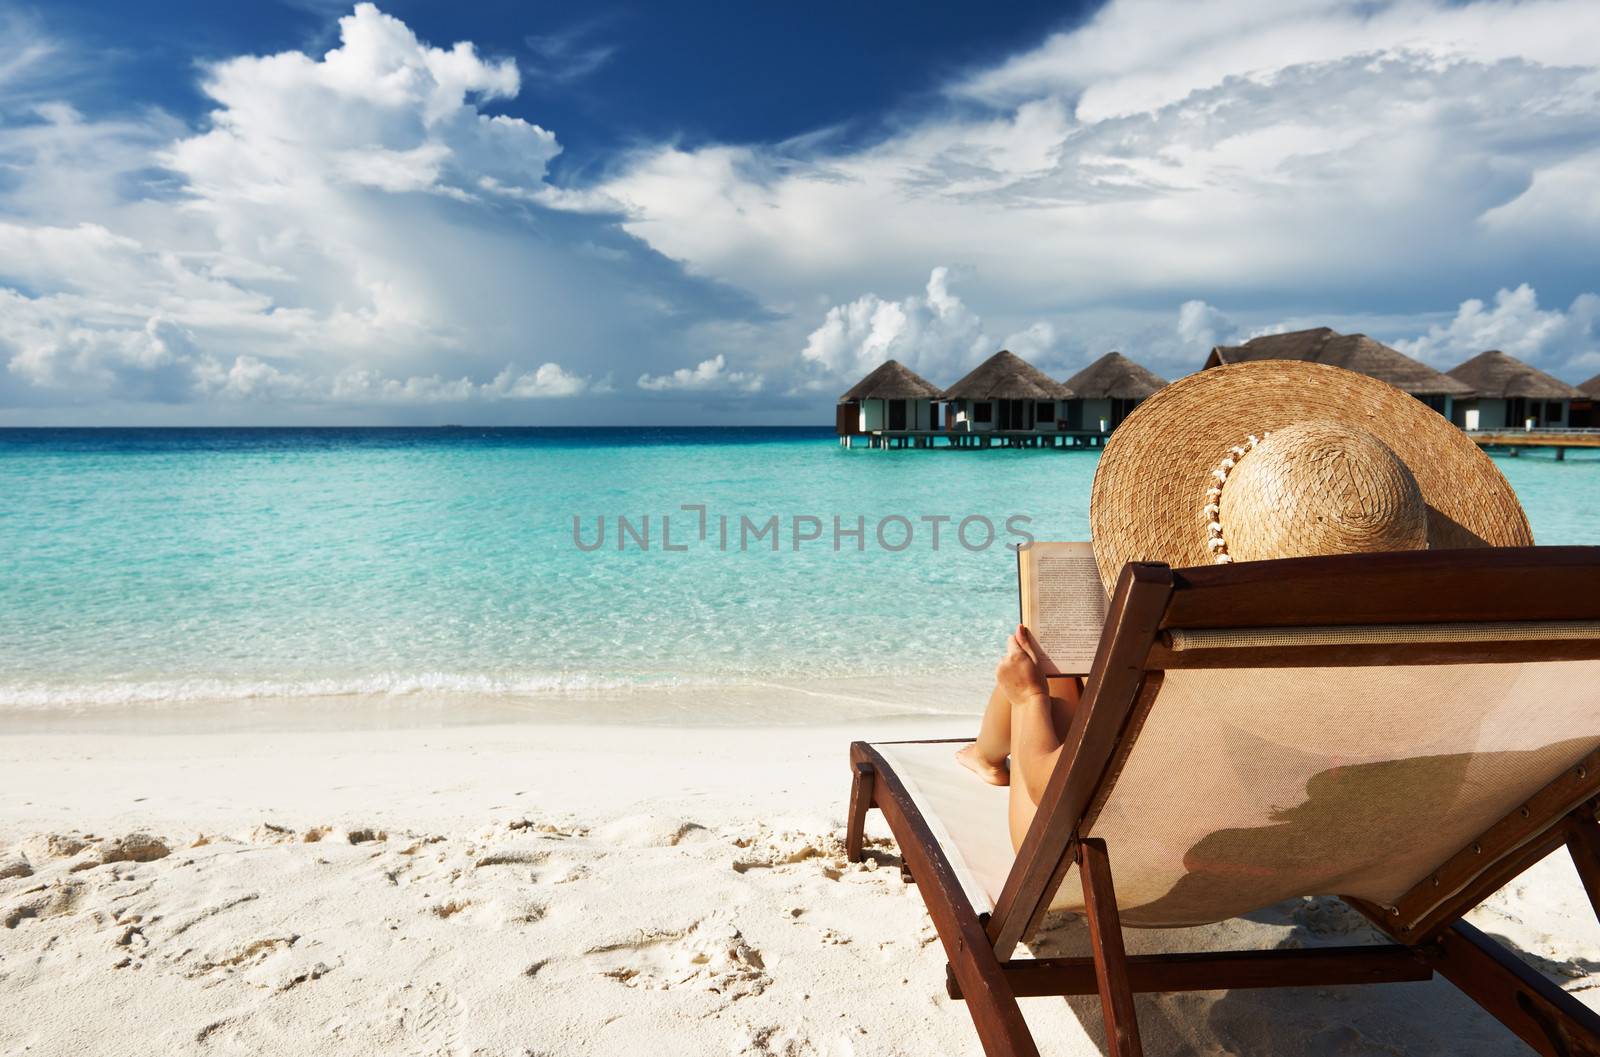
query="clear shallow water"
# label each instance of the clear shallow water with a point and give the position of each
(167, 565)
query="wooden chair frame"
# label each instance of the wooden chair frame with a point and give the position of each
(1489, 586)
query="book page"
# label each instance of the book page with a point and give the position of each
(1063, 603)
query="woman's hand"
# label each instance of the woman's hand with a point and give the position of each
(1019, 673)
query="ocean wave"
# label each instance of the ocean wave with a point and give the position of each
(41, 696)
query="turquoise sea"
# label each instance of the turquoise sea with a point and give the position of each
(151, 567)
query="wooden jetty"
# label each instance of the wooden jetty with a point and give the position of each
(994, 438)
(1515, 440)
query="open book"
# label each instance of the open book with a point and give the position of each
(1063, 603)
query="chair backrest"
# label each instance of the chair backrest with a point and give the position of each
(1351, 725)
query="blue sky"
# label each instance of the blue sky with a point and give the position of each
(607, 75)
(557, 213)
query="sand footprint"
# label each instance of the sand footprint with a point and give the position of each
(772, 851)
(550, 830)
(512, 855)
(773, 1040)
(50, 901)
(240, 957)
(574, 872)
(15, 866)
(449, 908)
(430, 1021)
(649, 831)
(707, 956)
(43, 846)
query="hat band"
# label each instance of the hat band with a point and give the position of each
(1213, 508)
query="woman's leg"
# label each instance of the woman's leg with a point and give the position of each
(986, 757)
(1039, 727)
(1023, 729)
(1021, 687)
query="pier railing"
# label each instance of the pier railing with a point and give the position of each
(1558, 439)
(1511, 438)
(988, 438)
(1559, 431)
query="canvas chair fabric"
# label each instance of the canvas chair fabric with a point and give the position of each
(967, 815)
(1248, 786)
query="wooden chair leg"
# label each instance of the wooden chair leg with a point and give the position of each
(1110, 958)
(1547, 1018)
(1583, 844)
(861, 783)
(1002, 1031)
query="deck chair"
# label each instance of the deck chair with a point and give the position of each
(1407, 732)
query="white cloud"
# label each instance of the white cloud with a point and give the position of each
(707, 374)
(549, 380)
(247, 377)
(1036, 340)
(149, 359)
(1514, 324)
(382, 110)
(160, 360)
(1325, 153)
(1559, 201)
(1134, 56)
(27, 55)
(1201, 326)
(367, 226)
(347, 229)
(934, 333)
(1235, 187)
(570, 54)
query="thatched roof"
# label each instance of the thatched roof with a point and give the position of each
(1591, 388)
(892, 380)
(1494, 374)
(1354, 352)
(1114, 377)
(1007, 376)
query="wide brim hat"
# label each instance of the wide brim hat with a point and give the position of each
(1295, 458)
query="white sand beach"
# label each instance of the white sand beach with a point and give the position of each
(511, 888)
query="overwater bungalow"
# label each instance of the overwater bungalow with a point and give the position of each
(1005, 399)
(1106, 391)
(892, 399)
(1354, 352)
(1585, 411)
(1511, 394)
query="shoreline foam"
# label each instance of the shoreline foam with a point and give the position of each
(739, 704)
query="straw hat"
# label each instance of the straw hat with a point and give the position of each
(1283, 458)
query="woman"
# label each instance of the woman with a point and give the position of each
(1026, 719)
(1249, 462)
